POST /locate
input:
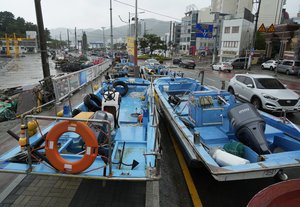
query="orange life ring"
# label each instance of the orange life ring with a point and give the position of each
(52, 150)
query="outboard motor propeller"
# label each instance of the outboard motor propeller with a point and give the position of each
(249, 127)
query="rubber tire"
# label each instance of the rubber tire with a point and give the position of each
(271, 68)
(75, 112)
(230, 90)
(92, 102)
(121, 83)
(262, 67)
(256, 103)
(287, 72)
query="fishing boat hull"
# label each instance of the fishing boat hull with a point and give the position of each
(115, 141)
(216, 130)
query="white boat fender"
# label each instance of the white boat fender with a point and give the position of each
(226, 159)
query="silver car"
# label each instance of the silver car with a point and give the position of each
(289, 67)
(264, 92)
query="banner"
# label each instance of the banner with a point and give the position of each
(204, 30)
(130, 46)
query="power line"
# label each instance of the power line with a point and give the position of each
(146, 10)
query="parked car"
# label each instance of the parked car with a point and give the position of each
(151, 62)
(222, 66)
(176, 61)
(239, 62)
(264, 92)
(187, 63)
(289, 67)
(270, 64)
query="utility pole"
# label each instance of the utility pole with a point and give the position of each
(256, 20)
(129, 29)
(75, 39)
(136, 69)
(43, 46)
(68, 39)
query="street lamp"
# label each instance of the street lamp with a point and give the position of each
(133, 19)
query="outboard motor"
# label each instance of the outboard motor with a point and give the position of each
(173, 99)
(102, 115)
(249, 127)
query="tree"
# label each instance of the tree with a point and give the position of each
(10, 25)
(260, 43)
(152, 41)
(47, 35)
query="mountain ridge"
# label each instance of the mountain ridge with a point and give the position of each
(120, 33)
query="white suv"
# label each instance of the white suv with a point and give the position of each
(270, 64)
(264, 92)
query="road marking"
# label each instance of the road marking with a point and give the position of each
(188, 178)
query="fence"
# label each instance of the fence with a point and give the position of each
(67, 84)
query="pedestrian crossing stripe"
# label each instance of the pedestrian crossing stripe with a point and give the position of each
(271, 28)
(262, 28)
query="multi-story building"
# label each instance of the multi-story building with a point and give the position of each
(233, 33)
(236, 38)
(270, 12)
(188, 33)
(231, 7)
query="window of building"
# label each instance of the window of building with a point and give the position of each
(189, 31)
(227, 30)
(187, 39)
(235, 29)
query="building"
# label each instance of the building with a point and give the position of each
(270, 12)
(231, 7)
(284, 43)
(234, 15)
(236, 38)
(16, 45)
(205, 44)
(187, 43)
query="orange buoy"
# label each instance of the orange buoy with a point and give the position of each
(57, 160)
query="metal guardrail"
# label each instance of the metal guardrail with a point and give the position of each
(67, 84)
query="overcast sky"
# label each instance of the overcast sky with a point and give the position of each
(96, 14)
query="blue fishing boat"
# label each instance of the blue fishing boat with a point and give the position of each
(232, 140)
(112, 135)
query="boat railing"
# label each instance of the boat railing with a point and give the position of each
(54, 118)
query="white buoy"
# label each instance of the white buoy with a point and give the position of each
(226, 159)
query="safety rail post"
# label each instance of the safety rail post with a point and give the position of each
(28, 148)
(201, 72)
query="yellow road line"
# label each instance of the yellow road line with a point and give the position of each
(188, 178)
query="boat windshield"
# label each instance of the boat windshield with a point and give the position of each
(268, 83)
